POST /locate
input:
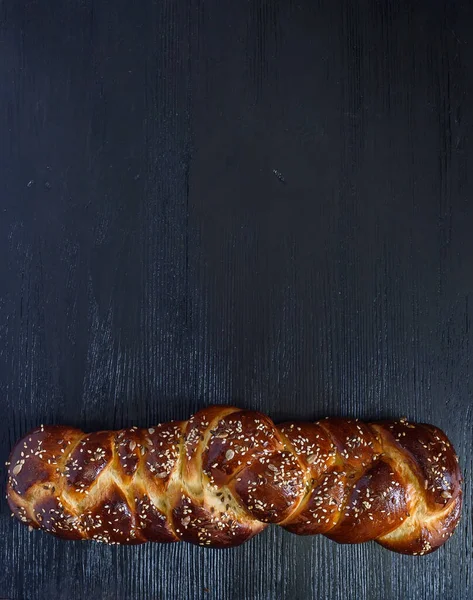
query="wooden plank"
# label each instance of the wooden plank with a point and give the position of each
(260, 203)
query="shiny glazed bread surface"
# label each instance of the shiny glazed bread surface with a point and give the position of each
(225, 474)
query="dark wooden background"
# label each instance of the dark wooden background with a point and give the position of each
(262, 202)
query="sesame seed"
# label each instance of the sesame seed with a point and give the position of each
(17, 468)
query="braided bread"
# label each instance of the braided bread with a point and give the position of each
(225, 474)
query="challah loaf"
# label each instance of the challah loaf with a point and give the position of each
(225, 474)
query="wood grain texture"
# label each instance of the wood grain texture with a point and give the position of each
(263, 203)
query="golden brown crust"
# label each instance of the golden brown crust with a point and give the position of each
(222, 476)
